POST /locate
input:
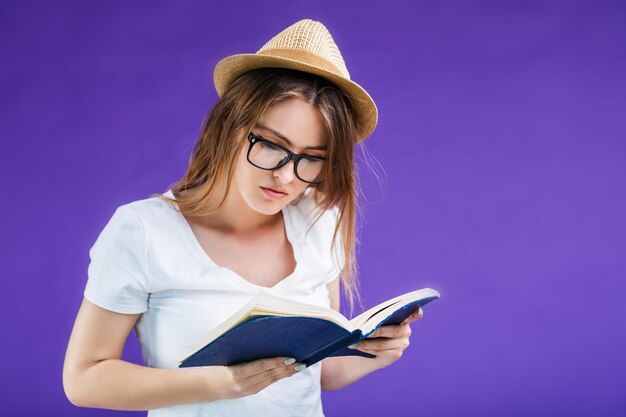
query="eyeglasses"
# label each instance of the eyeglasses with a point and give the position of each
(269, 155)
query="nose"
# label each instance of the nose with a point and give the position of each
(285, 173)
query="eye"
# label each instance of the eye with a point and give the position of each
(269, 146)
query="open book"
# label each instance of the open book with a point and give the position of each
(270, 326)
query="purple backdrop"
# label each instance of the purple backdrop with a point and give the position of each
(502, 145)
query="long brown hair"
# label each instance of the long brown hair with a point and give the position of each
(226, 127)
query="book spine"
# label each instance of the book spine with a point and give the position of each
(332, 347)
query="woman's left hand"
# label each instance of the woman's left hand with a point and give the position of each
(389, 342)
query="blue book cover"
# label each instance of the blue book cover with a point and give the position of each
(270, 326)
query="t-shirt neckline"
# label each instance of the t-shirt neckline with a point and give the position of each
(201, 253)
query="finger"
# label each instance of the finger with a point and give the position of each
(392, 331)
(382, 343)
(379, 352)
(260, 366)
(416, 315)
(260, 382)
(270, 376)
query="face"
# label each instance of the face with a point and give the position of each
(297, 126)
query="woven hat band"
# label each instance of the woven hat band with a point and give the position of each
(304, 57)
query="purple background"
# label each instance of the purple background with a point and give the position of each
(502, 144)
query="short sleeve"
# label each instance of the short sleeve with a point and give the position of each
(117, 274)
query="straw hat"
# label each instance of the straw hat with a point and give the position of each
(305, 46)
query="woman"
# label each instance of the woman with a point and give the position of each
(267, 203)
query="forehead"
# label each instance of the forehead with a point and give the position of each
(294, 122)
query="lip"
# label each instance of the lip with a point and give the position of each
(273, 193)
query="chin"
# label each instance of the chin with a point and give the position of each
(266, 206)
(268, 211)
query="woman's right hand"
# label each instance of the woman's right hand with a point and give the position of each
(95, 376)
(251, 377)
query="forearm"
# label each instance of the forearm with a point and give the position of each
(120, 385)
(341, 371)
(386, 344)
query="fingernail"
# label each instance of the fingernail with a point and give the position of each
(289, 361)
(299, 367)
(352, 346)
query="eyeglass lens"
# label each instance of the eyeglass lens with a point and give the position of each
(267, 156)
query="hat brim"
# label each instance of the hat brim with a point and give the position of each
(230, 68)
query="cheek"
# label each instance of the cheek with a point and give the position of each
(246, 175)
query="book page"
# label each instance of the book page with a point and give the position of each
(369, 319)
(264, 304)
(272, 305)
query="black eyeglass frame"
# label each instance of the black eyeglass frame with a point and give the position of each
(292, 156)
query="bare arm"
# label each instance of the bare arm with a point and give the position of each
(95, 376)
(387, 343)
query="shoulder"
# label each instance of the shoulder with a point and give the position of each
(147, 217)
(127, 220)
(145, 207)
(150, 210)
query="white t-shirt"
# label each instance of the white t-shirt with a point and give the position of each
(147, 260)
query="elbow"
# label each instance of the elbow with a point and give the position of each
(71, 394)
(74, 400)
(72, 390)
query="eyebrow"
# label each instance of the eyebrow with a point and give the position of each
(260, 126)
